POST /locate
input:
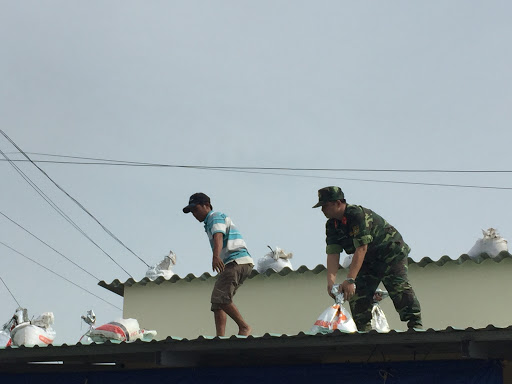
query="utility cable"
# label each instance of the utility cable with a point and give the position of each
(55, 273)
(253, 170)
(58, 210)
(49, 246)
(72, 198)
(374, 181)
(10, 291)
(102, 161)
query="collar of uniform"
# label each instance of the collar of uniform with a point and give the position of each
(343, 221)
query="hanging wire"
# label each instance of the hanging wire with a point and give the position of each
(103, 161)
(55, 273)
(49, 246)
(261, 171)
(73, 199)
(58, 210)
(10, 292)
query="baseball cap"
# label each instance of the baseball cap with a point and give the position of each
(196, 198)
(329, 194)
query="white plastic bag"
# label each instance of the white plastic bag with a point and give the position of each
(5, 339)
(163, 268)
(335, 317)
(379, 321)
(44, 320)
(276, 260)
(492, 244)
(29, 333)
(347, 261)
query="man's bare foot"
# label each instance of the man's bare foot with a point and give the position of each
(245, 331)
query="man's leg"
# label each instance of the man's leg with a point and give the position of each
(232, 311)
(225, 288)
(400, 290)
(367, 281)
(220, 321)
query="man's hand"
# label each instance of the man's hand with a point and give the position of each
(217, 264)
(329, 289)
(348, 289)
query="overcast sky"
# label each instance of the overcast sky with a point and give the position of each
(296, 84)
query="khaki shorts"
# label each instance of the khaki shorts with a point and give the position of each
(228, 282)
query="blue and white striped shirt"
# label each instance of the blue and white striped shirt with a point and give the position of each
(233, 245)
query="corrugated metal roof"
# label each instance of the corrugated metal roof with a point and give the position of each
(484, 343)
(117, 286)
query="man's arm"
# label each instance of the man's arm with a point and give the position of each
(217, 263)
(357, 260)
(333, 263)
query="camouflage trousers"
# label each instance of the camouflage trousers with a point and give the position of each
(392, 271)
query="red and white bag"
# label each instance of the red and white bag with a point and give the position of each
(335, 317)
(120, 330)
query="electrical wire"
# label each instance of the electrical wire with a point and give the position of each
(73, 199)
(375, 181)
(58, 210)
(253, 170)
(55, 273)
(10, 291)
(103, 161)
(49, 246)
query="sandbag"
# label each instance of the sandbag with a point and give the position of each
(5, 338)
(119, 330)
(379, 321)
(127, 330)
(335, 317)
(491, 243)
(276, 260)
(19, 330)
(163, 268)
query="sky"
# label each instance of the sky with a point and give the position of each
(368, 86)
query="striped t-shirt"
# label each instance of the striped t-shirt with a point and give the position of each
(233, 245)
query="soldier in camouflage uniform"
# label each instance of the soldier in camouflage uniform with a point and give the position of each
(380, 254)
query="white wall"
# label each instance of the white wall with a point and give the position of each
(461, 296)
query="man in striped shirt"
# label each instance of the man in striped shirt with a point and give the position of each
(230, 260)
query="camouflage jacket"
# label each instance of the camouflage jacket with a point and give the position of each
(360, 226)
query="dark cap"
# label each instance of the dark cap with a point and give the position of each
(196, 198)
(329, 194)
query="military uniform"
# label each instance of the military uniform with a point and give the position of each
(385, 260)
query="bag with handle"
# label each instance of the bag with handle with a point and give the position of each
(335, 317)
(379, 321)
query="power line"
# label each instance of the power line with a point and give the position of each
(375, 181)
(55, 273)
(253, 170)
(103, 161)
(49, 246)
(10, 291)
(58, 210)
(72, 198)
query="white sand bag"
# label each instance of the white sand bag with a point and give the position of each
(5, 339)
(335, 317)
(119, 330)
(491, 243)
(379, 321)
(163, 268)
(276, 260)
